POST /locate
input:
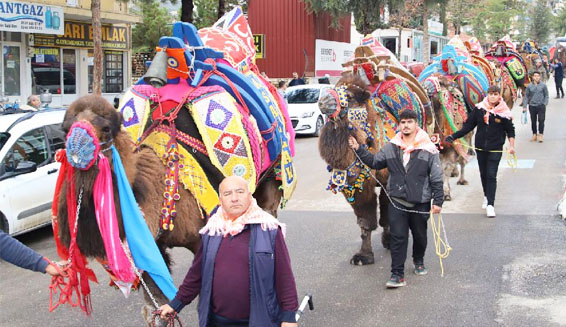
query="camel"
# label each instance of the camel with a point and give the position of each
(362, 105)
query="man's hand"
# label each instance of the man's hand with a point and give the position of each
(353, 143)
(449, 139)
(436, 209)
(53, 271)
(165, 311)
(512, 150)
(289, 324)
(524, 109)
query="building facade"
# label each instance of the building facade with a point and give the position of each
(47, 45)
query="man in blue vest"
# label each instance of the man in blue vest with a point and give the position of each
(242, 270)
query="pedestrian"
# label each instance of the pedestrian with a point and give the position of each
(242, 270)
(558, 76)
(536, 97)
(14, 252)
(539, 67)
(415, 178)
(494, 122)
(32, 104)
(296, 80)
(281, 87)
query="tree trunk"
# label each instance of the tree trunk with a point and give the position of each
(97, 38)
(187, 7)
(443, 20)
(221, 8)
(426, 41)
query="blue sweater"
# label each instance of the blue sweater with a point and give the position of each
(12, 251)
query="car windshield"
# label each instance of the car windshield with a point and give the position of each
(302, 95)
(3, 138)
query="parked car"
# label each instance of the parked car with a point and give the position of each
(28, 170)
(303, 107)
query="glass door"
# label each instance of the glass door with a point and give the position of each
(11, 79)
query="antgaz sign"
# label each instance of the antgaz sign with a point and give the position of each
(28, 17)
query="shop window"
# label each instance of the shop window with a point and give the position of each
(46, 70)
(69, 71)
(433, 48)
(113, 71)
(11, 70)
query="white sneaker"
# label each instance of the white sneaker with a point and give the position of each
(484, 204)
(490, 210)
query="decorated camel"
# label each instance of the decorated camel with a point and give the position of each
(144, 178)
(365, 103)
(504, 55)
(531, 55)
(454, 85)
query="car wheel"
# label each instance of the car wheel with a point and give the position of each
(318, 127)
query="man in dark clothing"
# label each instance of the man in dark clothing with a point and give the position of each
(242, 270)
(493, 120)
(536, 96)
(415, 178)
(558, 76)
(296, 80)
(12, 251)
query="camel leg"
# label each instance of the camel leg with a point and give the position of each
(454, 172)
(366, 212)
(384, 219)
(268, 195)
(462, 180)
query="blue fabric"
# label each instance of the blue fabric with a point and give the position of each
(12, 251)
(264, 306)
(142, 245)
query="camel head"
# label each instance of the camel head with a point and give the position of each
(350, 93)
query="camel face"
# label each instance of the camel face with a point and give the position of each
(99, 113)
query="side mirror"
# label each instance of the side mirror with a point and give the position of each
(25, 167)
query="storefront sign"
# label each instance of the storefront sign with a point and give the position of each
(330, 55)
(80, 35)
(18, 16)
(259, 42)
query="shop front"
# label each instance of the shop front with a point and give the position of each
(60, 58)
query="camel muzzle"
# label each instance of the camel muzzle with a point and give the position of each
(82, 145)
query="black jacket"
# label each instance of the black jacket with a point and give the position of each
(419, 183)
(488, 136)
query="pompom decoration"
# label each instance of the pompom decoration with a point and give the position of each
(82, 145)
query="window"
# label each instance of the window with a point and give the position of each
(433, 48)
(57, 137)
(32, 146)
(46, 69)
(113, 71)
(11, 70)
(303, 95)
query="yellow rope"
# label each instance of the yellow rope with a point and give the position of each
(512, 161)
(441, 246)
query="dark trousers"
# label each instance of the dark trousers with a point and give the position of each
(219, 321)
(537, 113)
(558, 82)
(489, 163)
(399, 224)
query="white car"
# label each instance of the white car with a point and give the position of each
(28, 170)
(303, 107)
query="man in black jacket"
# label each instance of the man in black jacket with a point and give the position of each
(493, 120)
(415, 178)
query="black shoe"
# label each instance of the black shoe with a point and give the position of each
(396, 281)
(420, 269)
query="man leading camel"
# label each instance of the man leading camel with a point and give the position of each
(242, 270)
(415, 178)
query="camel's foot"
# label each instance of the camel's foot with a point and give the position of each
(447, 197)
(362, 259)
(462, 182)
(454, 173)
(386, 239)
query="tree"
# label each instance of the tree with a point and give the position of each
(155, 24)
(427, 6)
(209, 11)
(97, 51)
(540, 23)
(496, 16)
(559, 22)
(368, 14)
(403, 16)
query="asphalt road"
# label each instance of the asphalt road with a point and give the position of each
(507, 271)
